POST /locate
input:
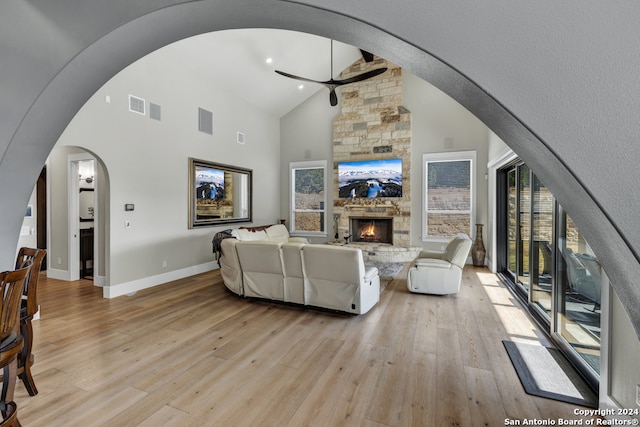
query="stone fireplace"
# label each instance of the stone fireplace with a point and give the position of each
(373, 124)
(372, 230)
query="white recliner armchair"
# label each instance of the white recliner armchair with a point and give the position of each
(440, 273)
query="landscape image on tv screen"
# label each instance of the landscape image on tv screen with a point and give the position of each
(370, 178)
(209, 184)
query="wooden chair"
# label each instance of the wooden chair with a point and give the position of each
(28, 310)
(10, 419)
(11, 288)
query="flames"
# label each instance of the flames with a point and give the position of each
(371, 230)
(368, 232)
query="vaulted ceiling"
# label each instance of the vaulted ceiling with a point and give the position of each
(238, 60)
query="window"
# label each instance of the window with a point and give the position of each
(308, 197)
(449, 194)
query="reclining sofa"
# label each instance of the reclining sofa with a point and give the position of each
(274, 266)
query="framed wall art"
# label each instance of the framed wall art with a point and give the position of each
(218, 193)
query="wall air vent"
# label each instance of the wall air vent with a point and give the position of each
(136, 105)
(205, 121)
(155, 111)
(240, 138)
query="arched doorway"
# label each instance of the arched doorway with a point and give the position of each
(77, 215)
(137, 32)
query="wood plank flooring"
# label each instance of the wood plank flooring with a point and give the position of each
(190, 353)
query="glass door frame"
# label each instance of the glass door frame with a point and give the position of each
(548, 322)
(571, 353)
(548, 318)
(504, 253)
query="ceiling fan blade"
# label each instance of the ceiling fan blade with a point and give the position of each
(333, 98)
(291, 76)
(332, 84)
(367, 56)
(360, 77)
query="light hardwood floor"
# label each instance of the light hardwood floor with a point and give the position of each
(190, 353)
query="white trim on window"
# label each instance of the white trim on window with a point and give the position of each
(448, 157)
(314, 164)
(493, 166)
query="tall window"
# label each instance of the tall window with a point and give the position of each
(449, 194)
(308, 197)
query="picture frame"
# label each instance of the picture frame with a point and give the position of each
(218, 193)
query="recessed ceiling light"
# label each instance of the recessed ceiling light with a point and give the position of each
(301, 87)
(269, 60)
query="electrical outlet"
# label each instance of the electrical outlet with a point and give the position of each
(638, 394)
(164, 263)
(59, 260)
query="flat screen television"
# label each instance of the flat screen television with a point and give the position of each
(370, 178)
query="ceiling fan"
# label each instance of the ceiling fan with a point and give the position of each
(332, 84)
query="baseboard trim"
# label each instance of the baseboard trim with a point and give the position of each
(160, 279)
(58, 274)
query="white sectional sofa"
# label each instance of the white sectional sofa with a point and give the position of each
(274, 266)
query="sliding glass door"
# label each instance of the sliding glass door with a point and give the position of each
(512, 221)
(518, 226)
(524, 227)
(579, 284)
(550, 266)
(542, 247)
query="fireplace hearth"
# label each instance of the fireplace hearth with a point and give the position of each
(372, 230)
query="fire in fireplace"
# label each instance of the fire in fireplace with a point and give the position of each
(372, 230)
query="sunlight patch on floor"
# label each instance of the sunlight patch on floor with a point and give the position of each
(499, 295)
(488, 279)
(515, 322)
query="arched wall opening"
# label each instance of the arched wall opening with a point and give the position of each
(71, 85)
(65, 234)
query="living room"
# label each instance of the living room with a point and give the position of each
(157, 246)
(128, 259)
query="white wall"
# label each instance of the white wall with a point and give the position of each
(496, 147)
(440, 124)
(624, 355)
(498, 151)
(147, 164)
(307, 134)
